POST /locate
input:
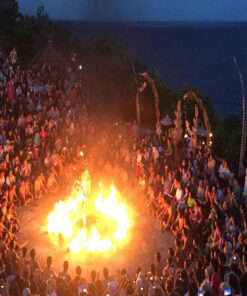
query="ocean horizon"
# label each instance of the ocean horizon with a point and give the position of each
(185, 54)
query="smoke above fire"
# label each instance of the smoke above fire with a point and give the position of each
(140, 10)
(90, 10)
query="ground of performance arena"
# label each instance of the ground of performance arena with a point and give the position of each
(145, 239)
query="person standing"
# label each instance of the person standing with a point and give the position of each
(13, 57)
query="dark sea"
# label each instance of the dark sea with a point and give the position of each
(185, 54)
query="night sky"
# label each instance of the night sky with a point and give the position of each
(141, 10)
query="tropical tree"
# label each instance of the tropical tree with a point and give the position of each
(9, 14)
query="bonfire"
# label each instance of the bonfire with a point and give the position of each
(89, 222)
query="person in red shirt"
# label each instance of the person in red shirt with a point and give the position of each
(215, 279)
(43, 134)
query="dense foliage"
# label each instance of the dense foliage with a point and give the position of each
(111, 81)
(29, 33)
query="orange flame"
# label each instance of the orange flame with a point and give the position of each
(69, 219)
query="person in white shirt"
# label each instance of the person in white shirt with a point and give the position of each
(179, 192)
(10, 180)
(13, 56)
(224, 173)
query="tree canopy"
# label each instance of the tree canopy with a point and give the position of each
(9, 14)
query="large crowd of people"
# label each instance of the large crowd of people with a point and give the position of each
(45, 124)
